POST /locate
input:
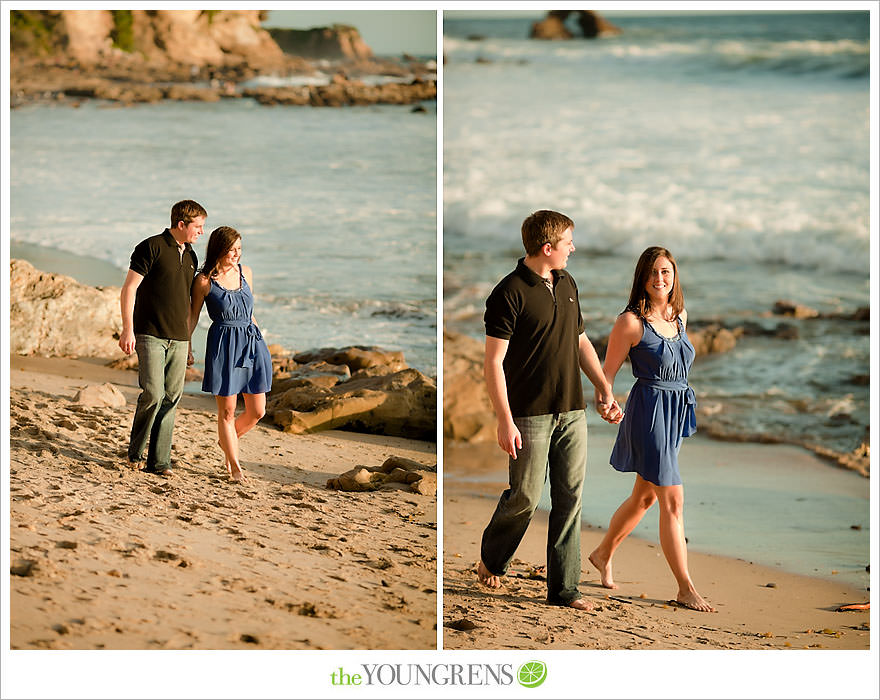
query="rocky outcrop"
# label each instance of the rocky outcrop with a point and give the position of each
(343, 93)
(338, 42)
(357, 388)
(157, 37)
(99, 395)
(467, 413)
(591, 24)
(54, 315)
(395, 473)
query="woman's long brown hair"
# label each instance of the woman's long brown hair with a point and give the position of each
(639, 301)
(219, 244)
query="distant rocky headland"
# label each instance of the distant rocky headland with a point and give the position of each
(137, 56)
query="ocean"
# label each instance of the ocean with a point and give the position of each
(336, 207)
(741, 143)
(738, 142)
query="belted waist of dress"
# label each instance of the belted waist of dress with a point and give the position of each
(253, 337)
(662, 385)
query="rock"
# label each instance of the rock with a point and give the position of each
(463, 625)
(788, 308)
(333, 43)
(402, 403)
(100, 395)
(591, 24)
(24, 567)
(467, 412)
(551, 27)
(188, 93)
(54, 315)
(355, 357)
(711, 339)
(394, 473)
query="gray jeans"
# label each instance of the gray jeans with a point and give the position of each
(554, 445)
(161, 374)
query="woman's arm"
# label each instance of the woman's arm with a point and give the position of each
(627, 332)
(249, 276)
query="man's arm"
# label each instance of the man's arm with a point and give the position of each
(126, 303)
(509, 438)
(590, 365)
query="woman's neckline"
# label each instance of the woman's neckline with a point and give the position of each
(227, 289)
(677, 336)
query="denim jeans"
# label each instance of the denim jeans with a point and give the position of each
(554, 444)
(161, 374)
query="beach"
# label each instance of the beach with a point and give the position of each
(106, 558)
(759, 606)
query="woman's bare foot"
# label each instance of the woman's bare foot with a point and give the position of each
(487, 578)
(604, 567)
(693, 601)
(581, 604)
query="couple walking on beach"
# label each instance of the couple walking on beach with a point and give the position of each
(161, 300)
(535, 346)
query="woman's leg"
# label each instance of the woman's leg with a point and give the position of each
(674, 546)
(254, 409)
(227, 435)
(623, 522)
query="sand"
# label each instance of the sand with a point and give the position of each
(107, 558)
(758, 607)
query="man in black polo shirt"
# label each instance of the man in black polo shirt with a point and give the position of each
(535, 344)
(155, 322)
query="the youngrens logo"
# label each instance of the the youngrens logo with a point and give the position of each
(529, 675)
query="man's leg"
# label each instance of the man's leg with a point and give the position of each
(151, 379)
(159, 454)
(567, 463)
(517, 504)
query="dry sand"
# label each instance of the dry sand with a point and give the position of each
(794, 612)
(116, 559)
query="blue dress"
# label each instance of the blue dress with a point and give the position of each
(237, 360)
(660, 408)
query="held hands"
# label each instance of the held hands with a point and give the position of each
(608, 408)
(509, 438)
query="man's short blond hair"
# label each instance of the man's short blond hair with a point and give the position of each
(544, 227)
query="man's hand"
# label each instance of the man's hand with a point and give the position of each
(190, 358)
(126, 342)
(608, 408)
(509, 438)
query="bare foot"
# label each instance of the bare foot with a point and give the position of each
(487, 578)
(581, 604)
(133, 464)
(693, 601)
(604, 567)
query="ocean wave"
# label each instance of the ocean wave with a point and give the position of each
(842, 58)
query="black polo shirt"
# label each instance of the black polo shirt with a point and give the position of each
(541, 365)
(161, 306)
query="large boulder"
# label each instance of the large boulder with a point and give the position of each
(591, 24)
(54, 315)
(335, 43)
(467, 412)
(402, 403)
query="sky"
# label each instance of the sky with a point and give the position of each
(387, 32)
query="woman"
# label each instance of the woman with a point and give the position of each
(659, 413)
(237, 360)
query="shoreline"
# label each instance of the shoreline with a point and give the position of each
(106, 558)
(758, 607)
(818, 519)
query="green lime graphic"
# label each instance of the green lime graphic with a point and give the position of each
(532, 673)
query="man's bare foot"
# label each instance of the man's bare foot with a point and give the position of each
(581, 604)
(693, 601)
(487, 578)
(133, 464)
(604, 567)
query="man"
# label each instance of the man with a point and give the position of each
(155, 302)
(535, 343)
